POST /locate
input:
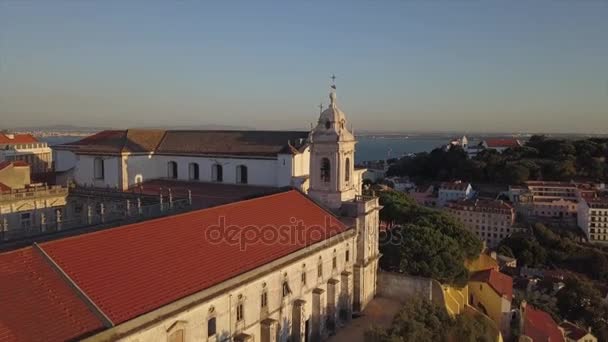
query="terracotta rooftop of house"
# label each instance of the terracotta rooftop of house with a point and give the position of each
(460, 186)
(37, 304)
(131, 270)
(539, 326)
(181, 142)
(480, 204)
(504, 142)
(17, 139)
(501, 283)
(573, 331)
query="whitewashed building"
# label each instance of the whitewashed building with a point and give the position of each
(453, 191)
(593, 218)
(122, 159)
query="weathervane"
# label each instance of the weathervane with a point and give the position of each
(333, 81)
(320, 107)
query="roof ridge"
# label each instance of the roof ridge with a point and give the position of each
(163, 218)
(96, 310)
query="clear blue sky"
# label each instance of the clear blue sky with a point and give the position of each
(467, 65)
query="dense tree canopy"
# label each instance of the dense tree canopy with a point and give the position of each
(424, 242)
(539, 158)
(421, 320)
(547, 249)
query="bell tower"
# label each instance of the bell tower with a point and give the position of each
(332, 160)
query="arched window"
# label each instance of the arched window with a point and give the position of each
(241, 174)
(172, 170)
(347, 170)
(193, 171)
(325, 170)
(217, 173)
(98, 168)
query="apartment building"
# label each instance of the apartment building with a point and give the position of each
(490, 220)
(26, 148)
(593, 218)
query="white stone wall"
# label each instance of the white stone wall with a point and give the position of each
(223, 307)
(134, 168)
(64, 160)
(84, 171)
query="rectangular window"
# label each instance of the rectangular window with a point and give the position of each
(347, 255)
(334, 263)
(211, 327)
(320, 270)
(303, 277)
(264, 299)
(98, 168)
(239, 312)
(26, 220)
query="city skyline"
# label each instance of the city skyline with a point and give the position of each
(410, 66)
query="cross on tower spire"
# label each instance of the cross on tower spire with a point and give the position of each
(333, 81)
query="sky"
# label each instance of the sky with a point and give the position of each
(458, 65)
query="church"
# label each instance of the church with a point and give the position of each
(289, 266)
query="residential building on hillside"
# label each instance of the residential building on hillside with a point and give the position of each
(550, 201)
(537, 325)
(26, 148)
(491, 292)
(453, 191)
(296, 270)
(491, 220)
(424, 195)
(463, 142)
(25, 206)
(500, 144)
(593, 218)
(574, 333)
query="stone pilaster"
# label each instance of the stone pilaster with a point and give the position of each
(269, 330)
(298, 321)
(333, 292)
(318, 315)
(345, 300)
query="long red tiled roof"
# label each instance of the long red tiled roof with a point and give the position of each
(4, 187)
(539, 326)
(18, 139)
(36, 304)
(505, 142)
(500, 282)
(133, 269)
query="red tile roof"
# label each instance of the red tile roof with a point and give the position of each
(508, 142)
(18, 139)
(500, 282)
(16, 163)
(133, 269)
(195, 142)
(539, 326)
(36, 303)
(573, 331)
(4, 187)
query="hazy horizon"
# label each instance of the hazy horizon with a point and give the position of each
(401, 66)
